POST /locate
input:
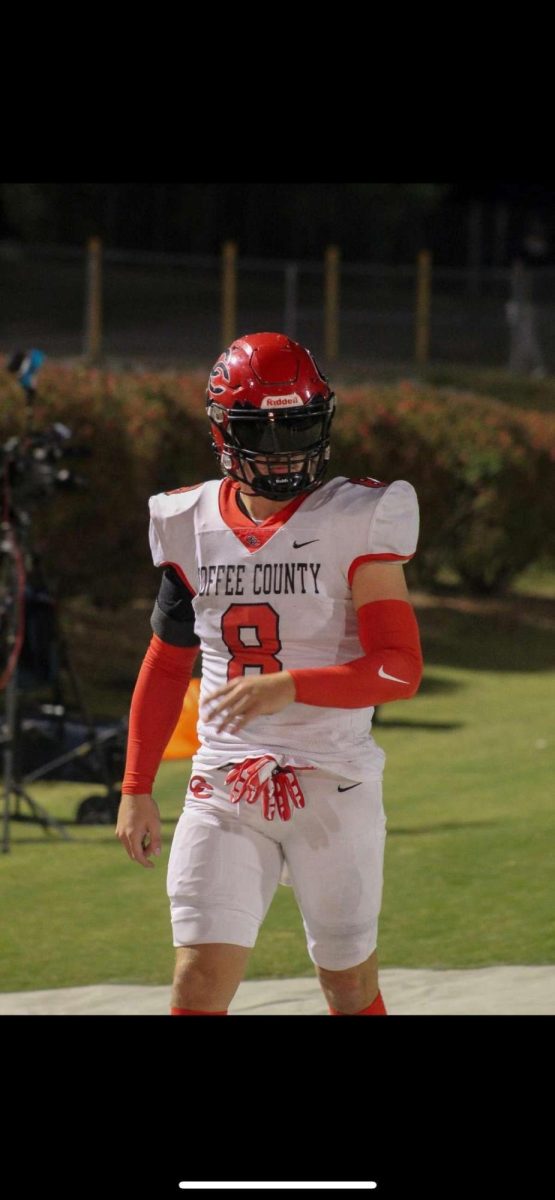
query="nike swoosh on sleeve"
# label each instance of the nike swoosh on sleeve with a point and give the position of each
(383, 675)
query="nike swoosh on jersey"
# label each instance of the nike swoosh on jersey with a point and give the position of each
(348, 789)
(297, 545)
(383, 675)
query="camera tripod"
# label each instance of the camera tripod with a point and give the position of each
(12, 617)
(13, 784)
(94, 746)
(34, 651)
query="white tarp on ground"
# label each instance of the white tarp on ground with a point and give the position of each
(488, 991)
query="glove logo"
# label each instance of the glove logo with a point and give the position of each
(263, 779)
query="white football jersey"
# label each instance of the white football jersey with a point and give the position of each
(276, 595)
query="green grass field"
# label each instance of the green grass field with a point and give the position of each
(469, 859)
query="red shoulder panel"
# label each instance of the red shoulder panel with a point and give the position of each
(191, 488)
(366, 481)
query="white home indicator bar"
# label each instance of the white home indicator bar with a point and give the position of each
(336, 1186)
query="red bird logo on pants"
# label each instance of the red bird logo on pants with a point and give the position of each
(200, 787)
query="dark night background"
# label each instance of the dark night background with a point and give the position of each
(379, 222)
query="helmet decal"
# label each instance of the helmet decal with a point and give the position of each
(291, 401)
(221, 368)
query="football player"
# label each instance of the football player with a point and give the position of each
(293, 589)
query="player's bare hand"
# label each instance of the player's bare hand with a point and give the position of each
(249, 696)
(138, 828)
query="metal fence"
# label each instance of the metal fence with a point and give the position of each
(167, 310)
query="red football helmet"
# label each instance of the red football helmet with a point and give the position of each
(270, 409)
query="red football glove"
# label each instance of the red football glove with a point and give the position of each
(263, 779)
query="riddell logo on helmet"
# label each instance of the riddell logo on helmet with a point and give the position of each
(290, 401)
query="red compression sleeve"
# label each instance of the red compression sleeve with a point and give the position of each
(155, 710)
(391, 668)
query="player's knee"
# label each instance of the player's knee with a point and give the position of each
(195, 964)
(349, 980)
(353, 988)
(207, 974)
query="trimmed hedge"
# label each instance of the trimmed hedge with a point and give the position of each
(140, 437)
(484, 472)
(522, 391)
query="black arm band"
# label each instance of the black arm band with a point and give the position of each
(173, 617)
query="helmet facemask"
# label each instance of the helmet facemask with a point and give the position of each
(278, 454)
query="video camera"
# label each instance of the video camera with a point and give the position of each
(33, 460)
(25, 364)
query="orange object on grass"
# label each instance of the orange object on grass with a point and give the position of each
(184, 741)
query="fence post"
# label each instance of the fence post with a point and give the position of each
(290, 307)
(475, 238)
(525, 353)
(93, 301)
(423, 292)
(500, 233)
(331, 303)
(229, 292)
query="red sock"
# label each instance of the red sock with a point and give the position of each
(375, 1009)
(195, 1012)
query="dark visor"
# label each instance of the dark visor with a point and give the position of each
(284, 434)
